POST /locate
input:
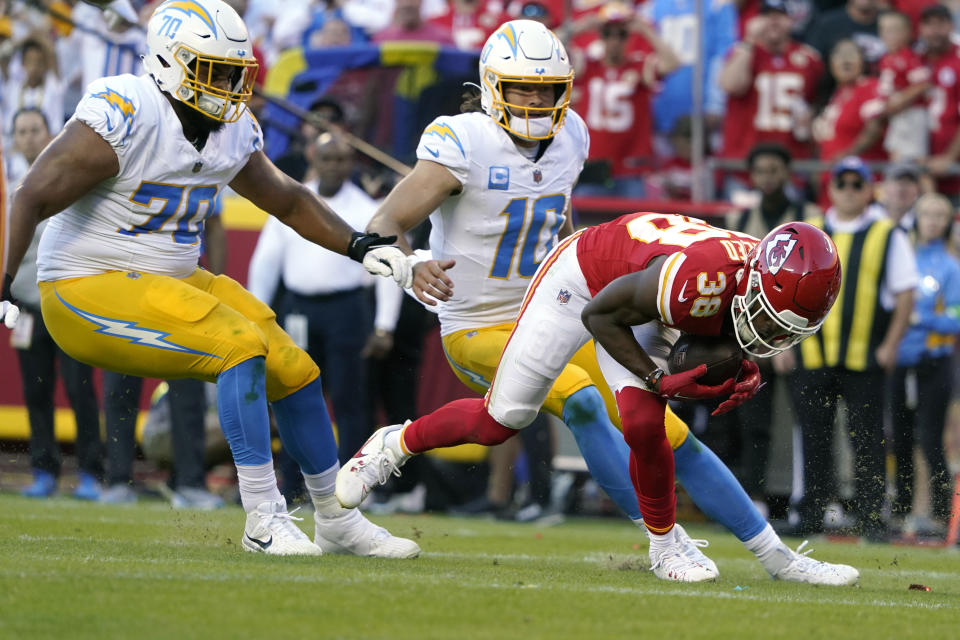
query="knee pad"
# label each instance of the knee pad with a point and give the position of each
(289, 368)
(677, 429)
(586, 405)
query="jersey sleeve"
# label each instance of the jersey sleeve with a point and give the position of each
(445, 141)
(695, 289)
(111, 107)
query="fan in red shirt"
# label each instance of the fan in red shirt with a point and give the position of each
(853, 122)
(943, 100)
(615, 88)
(904, 80)
(770, 81)
(471, 22)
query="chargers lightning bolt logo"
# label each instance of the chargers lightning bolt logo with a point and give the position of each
(130, 332)
(444, 131)
(120, 103)
(191, 8)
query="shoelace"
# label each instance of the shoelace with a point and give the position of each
(809, 563)
(384, 467)
(286, 524)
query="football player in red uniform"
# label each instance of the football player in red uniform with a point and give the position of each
(771, 81)
(632, 284)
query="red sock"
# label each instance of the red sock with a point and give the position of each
(651, 457)
(457, 422)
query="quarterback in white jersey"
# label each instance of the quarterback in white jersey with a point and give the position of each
(134, 173)
(513, 202)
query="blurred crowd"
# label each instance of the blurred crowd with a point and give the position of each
(846, 114)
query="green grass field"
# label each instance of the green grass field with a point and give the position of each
(74, 570)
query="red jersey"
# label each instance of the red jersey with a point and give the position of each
(850, 109)
(901, 69)
(698, 278)
(471, 30)
(783, 87)
(943, 99)
(615, 103)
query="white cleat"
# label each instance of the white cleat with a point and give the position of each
(800, 567)
(271, 530)
(672, 564)
(352, 534)
(690, 548)
(370, 467)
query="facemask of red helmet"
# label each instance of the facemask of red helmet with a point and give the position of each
(791, 281)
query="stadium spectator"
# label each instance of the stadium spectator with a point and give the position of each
(853, 121)
(769, 167)
(39, 355)
(900, 191)
(856, 21)
(922, 383)
(615, 93)
(904, 79)
(471, 22)
(408, 24)
(854, 351)
(294, 163)
(771, 82)
(328, 27)
(673, 178)
(326, 306)
(107, 50)
(943, 101)
(38, 87)
(678, 24)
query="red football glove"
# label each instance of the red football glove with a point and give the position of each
(748, 386)
(684, 386)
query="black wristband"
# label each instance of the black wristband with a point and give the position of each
(360, 243)
(7, 291)
(652, 379)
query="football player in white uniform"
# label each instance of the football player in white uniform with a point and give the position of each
(135, 172)
(496, 185)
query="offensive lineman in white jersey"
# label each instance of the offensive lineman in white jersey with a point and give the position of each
(496, 183)
(135, 172)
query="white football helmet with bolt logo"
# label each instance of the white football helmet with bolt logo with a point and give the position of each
(525, 51)
(200, 53)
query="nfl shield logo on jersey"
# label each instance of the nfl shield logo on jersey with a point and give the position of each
(537, 176)
(563, 297)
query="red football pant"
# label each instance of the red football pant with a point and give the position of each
(651, 457)
(457, 422)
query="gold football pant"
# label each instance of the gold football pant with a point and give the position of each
(161, 327)
(475, 353)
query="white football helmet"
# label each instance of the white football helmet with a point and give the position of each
(525, 51)
(189, 44)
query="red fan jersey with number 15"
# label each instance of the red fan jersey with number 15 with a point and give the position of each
(698, 279)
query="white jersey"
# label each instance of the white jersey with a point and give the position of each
(505, 221)
(150, 215)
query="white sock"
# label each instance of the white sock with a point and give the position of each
(659, 542)
(258, 484)
(769, 549)
(394, 442)
(320, 487)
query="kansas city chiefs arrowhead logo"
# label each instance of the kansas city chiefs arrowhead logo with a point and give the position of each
(778, 250)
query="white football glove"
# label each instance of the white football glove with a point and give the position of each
(9, 312)
(391, 262)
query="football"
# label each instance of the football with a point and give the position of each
(722, 355)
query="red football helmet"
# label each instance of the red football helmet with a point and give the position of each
(792, 280)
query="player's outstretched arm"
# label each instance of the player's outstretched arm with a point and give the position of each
(68, 168)
(299, 208)
(407, 205)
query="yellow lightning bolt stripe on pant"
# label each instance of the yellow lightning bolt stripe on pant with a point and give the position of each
(162, 327)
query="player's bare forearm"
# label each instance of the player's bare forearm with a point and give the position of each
(299, 208)
(621, 305)
(67, 169)
(413, 200)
